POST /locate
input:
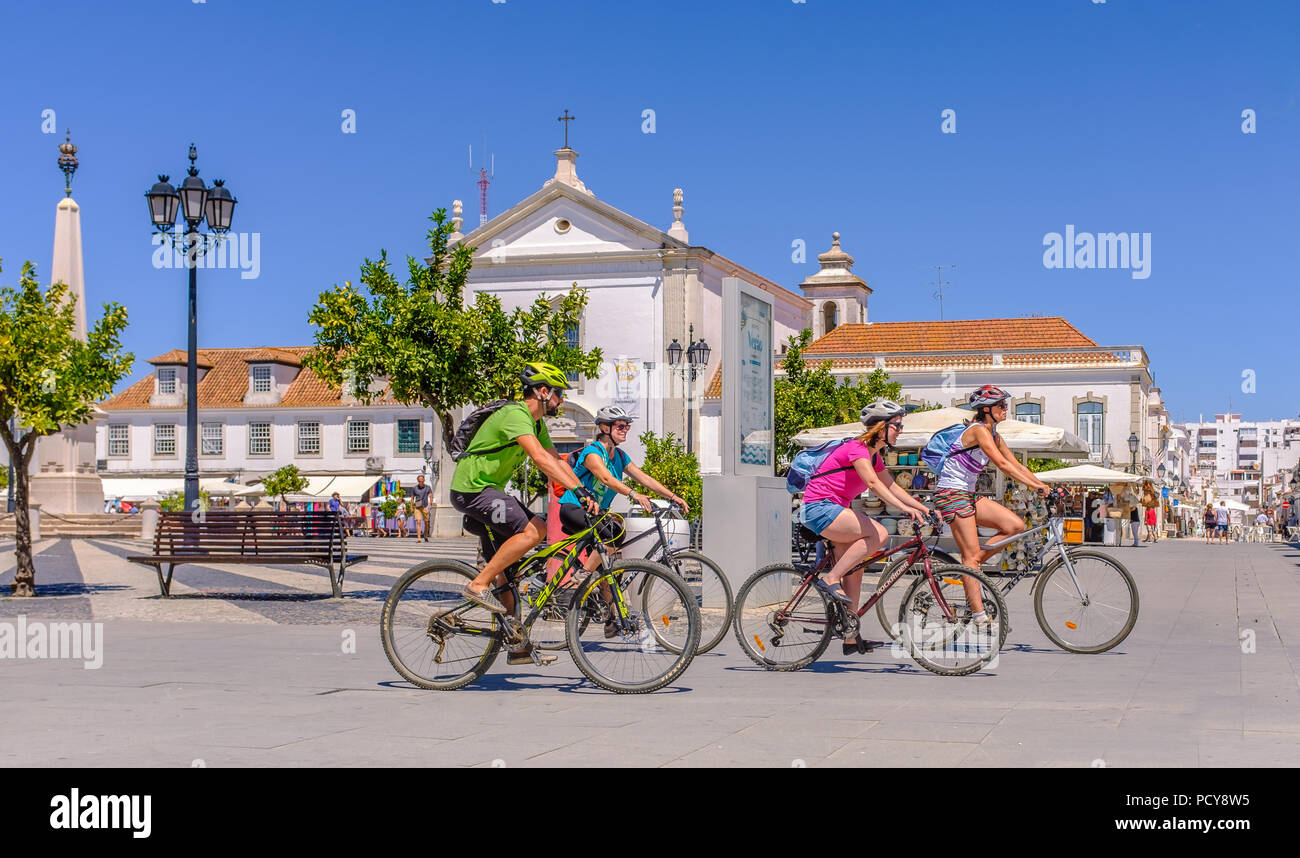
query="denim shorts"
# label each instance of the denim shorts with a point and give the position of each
(819, 514)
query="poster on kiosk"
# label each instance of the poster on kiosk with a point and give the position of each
(747, 497)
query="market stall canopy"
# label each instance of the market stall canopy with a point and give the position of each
(1093, 475)
(919, 426)
(321, 488)
(153, 488)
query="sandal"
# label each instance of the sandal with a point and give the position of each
(860, 647)
(836, 591)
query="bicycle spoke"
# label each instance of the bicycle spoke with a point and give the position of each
(774, 632)
(431, 635)
(1101, 618)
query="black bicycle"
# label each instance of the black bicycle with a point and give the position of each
(704, 578)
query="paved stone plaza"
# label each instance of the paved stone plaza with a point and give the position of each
(247, 666)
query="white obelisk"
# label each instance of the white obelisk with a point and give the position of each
(64, 479)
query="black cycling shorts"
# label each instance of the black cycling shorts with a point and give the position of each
(610, 530)
(491, 510)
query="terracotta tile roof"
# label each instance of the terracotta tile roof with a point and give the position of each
(714, 390)
(226, 382)
(1034, 333)
(179, 356)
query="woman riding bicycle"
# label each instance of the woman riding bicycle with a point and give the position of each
(852, 468)
(955, 495)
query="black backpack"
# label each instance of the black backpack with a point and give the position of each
(469, 427)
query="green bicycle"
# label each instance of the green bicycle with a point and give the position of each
(630, 626)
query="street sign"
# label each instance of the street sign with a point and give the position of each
(1164, 491)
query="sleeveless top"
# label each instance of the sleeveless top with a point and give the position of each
(963, 467)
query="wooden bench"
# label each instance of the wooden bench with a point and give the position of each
(259, 537)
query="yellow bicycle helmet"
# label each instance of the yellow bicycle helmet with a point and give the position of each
(539, 373)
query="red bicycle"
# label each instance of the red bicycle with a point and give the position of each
(785, 617)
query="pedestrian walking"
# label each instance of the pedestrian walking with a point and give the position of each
(1209, 520)
(420, 499)
(1134, 523)
(1153, 533)
(1221, 522)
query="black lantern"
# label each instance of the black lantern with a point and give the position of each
(220, 207)
(163, 200)
(674, 353)
(1160, 472)
(701, 354)
(428, 452)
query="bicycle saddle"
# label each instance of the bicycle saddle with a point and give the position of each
(807, 535)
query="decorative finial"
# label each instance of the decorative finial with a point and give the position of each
(68, 162)
(835, 239)
(194, 155)
(456, 208)
(678, 229)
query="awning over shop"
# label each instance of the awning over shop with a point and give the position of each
(1092, 475)
(153, 488)
(321, 488)
(919, 426)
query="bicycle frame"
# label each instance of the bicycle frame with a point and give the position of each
(1055, 541)
(919, 552)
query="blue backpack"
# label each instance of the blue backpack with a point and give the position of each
(936, 449)
(803, 470)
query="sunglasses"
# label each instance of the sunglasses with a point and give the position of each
(622, 427)
(894, 424)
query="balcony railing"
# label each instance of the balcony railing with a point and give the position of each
(1047, 357)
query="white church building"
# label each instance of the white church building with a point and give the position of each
(646, 288)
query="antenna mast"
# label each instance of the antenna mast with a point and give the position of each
(940, 283)
(485, 177)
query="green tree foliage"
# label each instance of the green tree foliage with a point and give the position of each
(175, 501)
(430, 345)
(667, 460)
(284, 481)
(809, 396)
(1038, 465)
(49, 379)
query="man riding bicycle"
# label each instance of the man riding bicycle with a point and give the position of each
(502, 441)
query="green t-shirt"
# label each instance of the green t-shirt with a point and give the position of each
(474, 473)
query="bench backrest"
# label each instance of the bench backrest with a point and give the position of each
(264, 533)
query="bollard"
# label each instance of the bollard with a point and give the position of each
(34, 517)
(148, 520)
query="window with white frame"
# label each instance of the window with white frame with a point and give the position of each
(261, 379)
(1029, 412)
(167, 380)
(119, 439)
(164, 439)
(212, 440)
(308, 437)
(259, 439)
(358, 436)
(408, 436)
(1090, 419)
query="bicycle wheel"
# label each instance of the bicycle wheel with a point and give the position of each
(549, 629)
(434, 636)
(951, 646)
(1099, 619)
(633, 661)
(711, 591)
(887, 605)
(773, 632)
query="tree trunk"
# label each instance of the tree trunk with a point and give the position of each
(448, 430)
(25, 576)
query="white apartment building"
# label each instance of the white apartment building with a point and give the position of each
(259, 409)
(1235, 457)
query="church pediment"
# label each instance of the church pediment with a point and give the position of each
(562, 221)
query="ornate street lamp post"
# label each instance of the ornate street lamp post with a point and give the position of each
(197, 201)
(697, 358)
(1133, 452)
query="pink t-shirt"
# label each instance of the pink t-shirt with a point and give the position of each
(843, 486)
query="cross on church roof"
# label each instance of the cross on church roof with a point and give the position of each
(566, 119)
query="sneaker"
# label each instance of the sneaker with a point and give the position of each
(530, 655)
(611, 630)
(485, 599)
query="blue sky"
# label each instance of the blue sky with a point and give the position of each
(781, 121)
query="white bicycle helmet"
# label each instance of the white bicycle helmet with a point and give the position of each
(881, 409)
(610, 413)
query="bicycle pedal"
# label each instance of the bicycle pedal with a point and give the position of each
(542, 659)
